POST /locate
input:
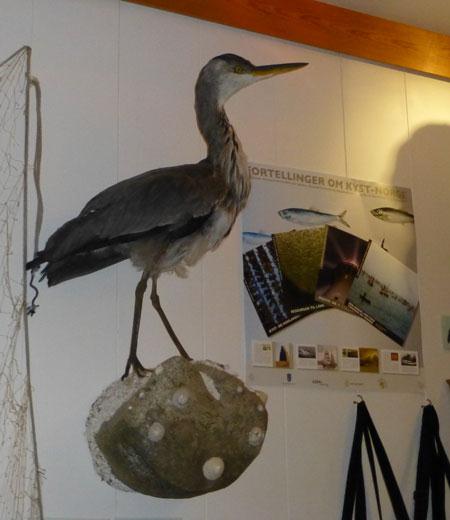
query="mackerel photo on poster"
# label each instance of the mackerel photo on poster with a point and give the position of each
(328, 260)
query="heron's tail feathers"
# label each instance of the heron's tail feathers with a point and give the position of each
(38, 259)
(80, 264)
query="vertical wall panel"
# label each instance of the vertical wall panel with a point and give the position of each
(318, 435)
(375, 121)
(427, 152)
(309, 125)
(74, 331)
(261, 491)
(16, 20)
(158, 129)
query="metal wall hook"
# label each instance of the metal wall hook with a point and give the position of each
(361, 399)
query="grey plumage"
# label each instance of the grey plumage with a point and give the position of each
(159, 206)
(165, 219)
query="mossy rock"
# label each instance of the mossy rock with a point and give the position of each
(187, 429)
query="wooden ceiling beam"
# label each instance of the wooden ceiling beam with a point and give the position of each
(327, 27)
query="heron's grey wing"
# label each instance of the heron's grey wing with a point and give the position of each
(166, 198)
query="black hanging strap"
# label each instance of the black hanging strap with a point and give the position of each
(355, 493)
(373, 470)
(354, 500)
(433, 468)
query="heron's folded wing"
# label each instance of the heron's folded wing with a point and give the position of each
(168, 198)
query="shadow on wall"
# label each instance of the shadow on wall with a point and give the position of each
(426, 155)
(426, 158)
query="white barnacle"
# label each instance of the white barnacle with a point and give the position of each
(156, 432)
(239, 389)
(141, 395)
(256, 436)
(180, 397)
(213, 468)
(210, 385)
(260, 408)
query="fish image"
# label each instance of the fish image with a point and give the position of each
(256, 238)
(311, 217)
(393, 216)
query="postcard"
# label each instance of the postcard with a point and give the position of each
(409, 362)
(342, 260)
(283, 355)
(262, 353)
(300, 256)
(271, 299)
(385, 294)
(327, 357)
(390, 361)
(349, 359)
(369, 360)
(306, 357)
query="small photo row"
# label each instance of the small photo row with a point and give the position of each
(271, 354)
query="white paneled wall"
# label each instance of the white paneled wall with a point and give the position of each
(75, 56)
(374, 99)
(118, 81)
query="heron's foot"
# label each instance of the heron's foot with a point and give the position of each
(134, 363)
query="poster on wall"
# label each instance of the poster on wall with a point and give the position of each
(330, 282)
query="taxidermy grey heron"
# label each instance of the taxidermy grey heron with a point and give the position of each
(166, 219)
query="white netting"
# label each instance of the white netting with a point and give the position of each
(19, 491)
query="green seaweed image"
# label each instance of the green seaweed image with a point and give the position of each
(300, 255)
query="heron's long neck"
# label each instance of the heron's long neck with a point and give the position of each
(224, 150)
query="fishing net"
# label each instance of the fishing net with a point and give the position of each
(20, 497)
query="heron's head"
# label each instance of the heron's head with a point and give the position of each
(377, 212)
(285, 213)
(225, 75)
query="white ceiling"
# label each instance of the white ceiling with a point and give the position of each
(433, 15)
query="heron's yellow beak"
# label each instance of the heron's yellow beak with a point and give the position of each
(273, 70)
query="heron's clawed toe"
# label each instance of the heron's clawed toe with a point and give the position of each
(138, 368)
(141, 371)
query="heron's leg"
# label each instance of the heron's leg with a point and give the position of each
(157, 305)
(133, 360)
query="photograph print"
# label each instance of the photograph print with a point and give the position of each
(385, 294)
(342, 259)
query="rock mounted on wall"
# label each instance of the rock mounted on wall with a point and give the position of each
(186, 429)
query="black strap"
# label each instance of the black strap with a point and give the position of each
(354, 500)
(433, 468)
(373, 470)
(354, 492)
(388, 475)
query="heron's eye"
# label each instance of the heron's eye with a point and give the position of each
(238, 70)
